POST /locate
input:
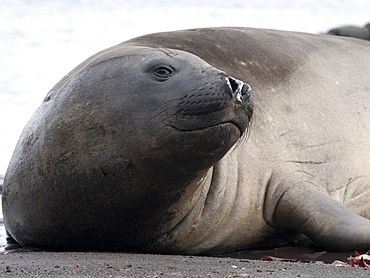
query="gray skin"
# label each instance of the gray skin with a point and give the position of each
(117, 158)
(352, 31)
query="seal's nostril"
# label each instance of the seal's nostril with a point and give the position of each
(234, 85)
(239, 89)
(246, 90)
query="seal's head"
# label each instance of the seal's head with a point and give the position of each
(199, 110)
(153, 102)
(132, 128)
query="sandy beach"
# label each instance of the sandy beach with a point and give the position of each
(94, 264)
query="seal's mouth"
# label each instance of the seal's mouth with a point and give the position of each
(223, 102)
(230, 124)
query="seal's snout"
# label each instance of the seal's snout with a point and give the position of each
(239, 89)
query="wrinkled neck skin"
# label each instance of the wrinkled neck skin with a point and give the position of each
(215, 213)
(195, 230)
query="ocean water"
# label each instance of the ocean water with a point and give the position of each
(42, 40)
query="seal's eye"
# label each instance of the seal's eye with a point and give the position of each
(163, 72)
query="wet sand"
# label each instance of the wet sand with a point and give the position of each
(95, 264)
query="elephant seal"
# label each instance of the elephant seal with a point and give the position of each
(143, 147)
(352, 31)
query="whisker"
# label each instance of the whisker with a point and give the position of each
(164, 110)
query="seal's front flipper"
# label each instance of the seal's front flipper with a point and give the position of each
(324, 220)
